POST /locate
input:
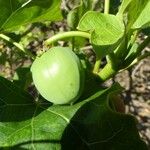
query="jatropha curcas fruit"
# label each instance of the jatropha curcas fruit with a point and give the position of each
(58, 75)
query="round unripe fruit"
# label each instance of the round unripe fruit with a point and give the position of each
(58, 75)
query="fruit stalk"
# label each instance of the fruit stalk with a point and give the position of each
(64, 35)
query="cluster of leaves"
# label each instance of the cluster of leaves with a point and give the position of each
(93, 122)
(90, 124)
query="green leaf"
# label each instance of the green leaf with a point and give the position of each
(135, 13)
(22, 78)
(143, 20)
(106, 31)
(77, 12)
(74, 17)
(90, 124)
(124, 6)
(14, 13)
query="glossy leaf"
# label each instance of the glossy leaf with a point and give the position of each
(90, 124)
(14, 13)
(106, 31)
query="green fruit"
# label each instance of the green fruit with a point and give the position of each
(58, 75)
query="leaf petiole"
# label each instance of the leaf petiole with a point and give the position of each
(107, 72)
(97, 66)
(106, 7)
(68, 34)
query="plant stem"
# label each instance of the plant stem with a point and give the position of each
(110, 70)
(68, 34)
(19, 46)
(125, 46)
(138, 59)
(107, 72)
(96, 66)
(111, 58)
(130, 59)
(134, 37)
(106, 7)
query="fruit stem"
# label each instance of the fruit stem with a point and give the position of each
(64, 35)
(19, 46)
